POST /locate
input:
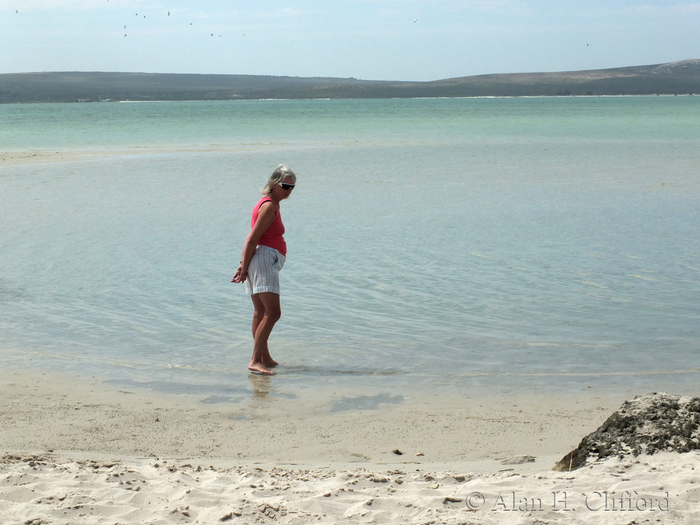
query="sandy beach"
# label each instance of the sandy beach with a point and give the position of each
(77, 450)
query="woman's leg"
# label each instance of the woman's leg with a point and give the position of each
(267, 313)
(258, 315)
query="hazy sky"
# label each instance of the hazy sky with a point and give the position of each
(368, 39)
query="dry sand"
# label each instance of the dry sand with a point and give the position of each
(76, 450)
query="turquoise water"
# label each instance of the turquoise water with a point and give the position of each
(433, 244)
(425, 121)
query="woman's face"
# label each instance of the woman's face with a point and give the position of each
(279, 188)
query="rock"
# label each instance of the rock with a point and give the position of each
(647, 424)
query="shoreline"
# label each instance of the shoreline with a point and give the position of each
(67, 414)
(322, 99)
(74, 448)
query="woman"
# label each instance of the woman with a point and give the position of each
(264, 253)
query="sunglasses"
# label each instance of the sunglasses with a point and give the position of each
(286, 186)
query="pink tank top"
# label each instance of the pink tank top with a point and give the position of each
(273, 237)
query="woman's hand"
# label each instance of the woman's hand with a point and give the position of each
(240, 275)
(266, 216)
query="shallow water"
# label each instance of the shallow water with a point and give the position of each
(433, 244)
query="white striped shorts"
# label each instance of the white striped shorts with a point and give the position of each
(264, 271)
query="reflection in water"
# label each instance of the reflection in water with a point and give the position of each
(261, 385)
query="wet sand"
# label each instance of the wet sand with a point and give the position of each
(77, 450)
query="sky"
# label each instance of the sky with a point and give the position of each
(373, 40)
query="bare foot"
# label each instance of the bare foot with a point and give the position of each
(260, 368)
(271, 363)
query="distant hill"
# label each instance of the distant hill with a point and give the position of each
(675, 78)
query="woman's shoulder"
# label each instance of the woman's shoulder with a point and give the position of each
(266, 203)
(266, 199)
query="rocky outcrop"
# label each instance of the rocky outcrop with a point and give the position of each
(645, 425)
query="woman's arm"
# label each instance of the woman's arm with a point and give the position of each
(266, 216)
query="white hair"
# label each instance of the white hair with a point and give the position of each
(281, 172)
